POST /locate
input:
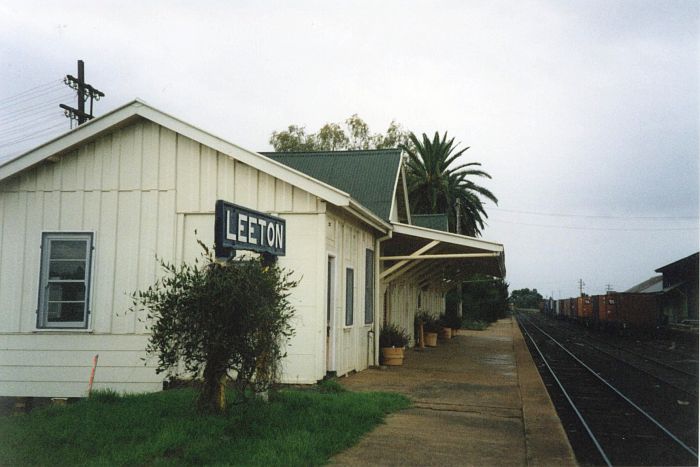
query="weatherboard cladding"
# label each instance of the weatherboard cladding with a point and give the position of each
(368, 176)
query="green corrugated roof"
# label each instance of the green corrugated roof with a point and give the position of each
(367, 176)
(431, 221)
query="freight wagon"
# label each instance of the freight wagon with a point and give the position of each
(584, 310)
(568, 310)
(627, 310)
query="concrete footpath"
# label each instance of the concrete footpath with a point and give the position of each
(477, 400)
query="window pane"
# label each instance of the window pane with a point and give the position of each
(63, 312)
(66, 270)
(369, 286)
(71, 292)
(68, 249)
(349, 289)
(64, 281)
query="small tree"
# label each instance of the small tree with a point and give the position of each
(354, 133)
(219, 318)
(484, 298)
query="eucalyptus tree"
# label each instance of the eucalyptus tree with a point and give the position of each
(353, 134)
(439, 183)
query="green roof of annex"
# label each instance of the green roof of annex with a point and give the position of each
(369, 176)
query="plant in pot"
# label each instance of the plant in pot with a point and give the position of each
(445, 328)
(392, 341)
(453, 320)
(431, 328)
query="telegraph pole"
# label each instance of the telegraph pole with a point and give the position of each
(608, 287)
(581, 284)
(83, 91)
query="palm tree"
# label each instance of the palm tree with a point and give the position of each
(434, 187)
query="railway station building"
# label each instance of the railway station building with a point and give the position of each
(83, 217)
(679, 299)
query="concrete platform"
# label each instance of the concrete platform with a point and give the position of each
(477, 400)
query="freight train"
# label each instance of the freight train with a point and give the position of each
(614, 310)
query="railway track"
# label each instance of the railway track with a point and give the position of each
(607, 424)
(657, 367)
(677, 358)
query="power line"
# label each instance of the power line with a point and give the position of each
(20, 128)
(602, 229)
(585, 216)
(30, 90)
(33, 135)
(13, 116)
(31, 97)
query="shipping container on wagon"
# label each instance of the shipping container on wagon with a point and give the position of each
(561, 309)
(574, 308)
(569, 309)
(584, 309)
(597, 304)
(547, 306)
(629, 310)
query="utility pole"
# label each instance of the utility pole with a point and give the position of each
(581, 284)
(608, 287)
(84, 91)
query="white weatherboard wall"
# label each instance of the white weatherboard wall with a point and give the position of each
(142, 190)
(402, 304)
(352, 346)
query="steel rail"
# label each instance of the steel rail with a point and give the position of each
(627, 399)
(648, 358)
(568, 398)
(632, 365)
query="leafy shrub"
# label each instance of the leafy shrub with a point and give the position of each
(484, 298)
(392, 336)
(215, 317)
(430, 322)
(475, 325)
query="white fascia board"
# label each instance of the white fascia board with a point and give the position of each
(402, 171)
(68, 140)
(447, 237)
(369, 217)
(401, 178)
(251, 158)
(138, 108)
(395, 190)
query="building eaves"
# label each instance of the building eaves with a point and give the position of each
(135, 109)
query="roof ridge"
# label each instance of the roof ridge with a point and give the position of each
(351, 152)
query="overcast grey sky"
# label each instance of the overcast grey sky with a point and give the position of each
(584, 112)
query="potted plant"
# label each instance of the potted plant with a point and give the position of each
(445, 328)
(431, 328)
(392, 341)
(454, 321)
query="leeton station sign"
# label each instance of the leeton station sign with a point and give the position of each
(239, 228)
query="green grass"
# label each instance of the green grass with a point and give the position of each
(297, 427)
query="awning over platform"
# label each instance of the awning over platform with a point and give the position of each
(437, 259)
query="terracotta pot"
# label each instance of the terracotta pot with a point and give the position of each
(392, 356)
(446, 333)
(431, 339)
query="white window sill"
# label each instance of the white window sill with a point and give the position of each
(62, 331)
